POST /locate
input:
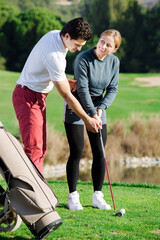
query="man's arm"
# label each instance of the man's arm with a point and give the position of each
(64, 89)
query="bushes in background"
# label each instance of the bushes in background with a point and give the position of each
(140, 139)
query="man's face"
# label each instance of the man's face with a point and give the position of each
(74, 45)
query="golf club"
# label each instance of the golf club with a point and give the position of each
(119, 214)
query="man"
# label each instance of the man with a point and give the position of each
(45, 68)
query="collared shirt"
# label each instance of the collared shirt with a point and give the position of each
(45, 64)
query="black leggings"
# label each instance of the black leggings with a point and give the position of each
(75, 136)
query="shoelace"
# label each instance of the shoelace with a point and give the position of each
(100, 198)
(75, 199)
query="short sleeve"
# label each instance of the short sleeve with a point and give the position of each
(55, 64)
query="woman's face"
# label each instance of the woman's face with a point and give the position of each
(105, 46)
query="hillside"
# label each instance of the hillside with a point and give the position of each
(148, 3)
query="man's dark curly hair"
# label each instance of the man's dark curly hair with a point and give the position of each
(77, 28)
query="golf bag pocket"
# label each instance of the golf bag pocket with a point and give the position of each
(21, 195)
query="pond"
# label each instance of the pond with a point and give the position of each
(129, 175)
(146, 171)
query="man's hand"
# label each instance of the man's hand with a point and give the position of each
(99, 120)
(92, 125)
(72, 83)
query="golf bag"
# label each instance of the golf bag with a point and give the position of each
(27, 196)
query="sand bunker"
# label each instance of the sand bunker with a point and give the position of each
(149, 81)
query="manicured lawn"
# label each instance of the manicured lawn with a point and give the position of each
(7, 114)
(132, 98)
(141, 221)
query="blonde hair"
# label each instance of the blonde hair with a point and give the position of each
(115, 34)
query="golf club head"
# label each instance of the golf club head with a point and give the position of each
(119, 214)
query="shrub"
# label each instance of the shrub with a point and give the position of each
(21, 32)
(142, 139)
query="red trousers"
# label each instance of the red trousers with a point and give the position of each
(30, 108)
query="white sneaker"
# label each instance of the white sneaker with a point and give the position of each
(99, 202)
(73, 201)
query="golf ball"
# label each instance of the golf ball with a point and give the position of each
(122, 211)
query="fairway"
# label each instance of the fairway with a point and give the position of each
(131, 98)
(141, 221)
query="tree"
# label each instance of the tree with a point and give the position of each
(117, 9)
(105, 14)
(6, 11)
(24, 5)
(152, 39)
(97, 13)
(131, 26)
(22, 32)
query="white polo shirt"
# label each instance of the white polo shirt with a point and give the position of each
(45, 64)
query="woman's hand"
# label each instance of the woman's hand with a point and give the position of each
(99, 112)
(72, 83)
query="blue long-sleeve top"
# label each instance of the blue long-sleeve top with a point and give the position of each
(97, 83)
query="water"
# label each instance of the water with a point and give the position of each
(129, 175)
(146, 173)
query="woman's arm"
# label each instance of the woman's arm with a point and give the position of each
(112, 88)
(82, 85)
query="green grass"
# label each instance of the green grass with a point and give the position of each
(131, 98)
(141, 221)
(7, 115)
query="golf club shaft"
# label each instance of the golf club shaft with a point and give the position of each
(104, 155)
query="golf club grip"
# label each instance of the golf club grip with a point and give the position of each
(104, 155)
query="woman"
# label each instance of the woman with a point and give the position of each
(97, 73)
